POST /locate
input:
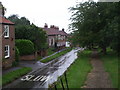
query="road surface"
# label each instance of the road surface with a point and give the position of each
(42, 77)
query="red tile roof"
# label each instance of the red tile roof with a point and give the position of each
(3, 20)
(53, 31)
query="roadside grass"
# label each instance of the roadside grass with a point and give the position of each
(56, 55)
(110, 62)
(11, 76)
(39, 57)
(78, 71)
(50, 51)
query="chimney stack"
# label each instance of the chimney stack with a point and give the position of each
(45, 26)
(63, 29)
(2, 10)
(52, 26)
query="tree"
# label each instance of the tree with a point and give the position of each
(25, 30)
(93, 22)
(25, 47)
(19, 21)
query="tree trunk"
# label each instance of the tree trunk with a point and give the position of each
(104, 50)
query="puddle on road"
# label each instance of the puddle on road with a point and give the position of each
(66, 61)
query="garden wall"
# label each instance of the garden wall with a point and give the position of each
(29, 57)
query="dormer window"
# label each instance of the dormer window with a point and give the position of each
(6, 31)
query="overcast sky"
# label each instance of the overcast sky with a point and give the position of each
(39, 12)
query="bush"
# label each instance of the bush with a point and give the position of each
(26, 47)
(17, 54)
(14, 64)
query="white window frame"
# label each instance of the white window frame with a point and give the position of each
(59, 37)
(49, 42)
(7, 51)
(53, 41)
(6, 31)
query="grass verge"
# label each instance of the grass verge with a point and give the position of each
(78, 71)
(50, 51)
(110, 62)
(56, 55)
(11, 76)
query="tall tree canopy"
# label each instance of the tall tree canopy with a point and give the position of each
(25, 30)
(96, 24)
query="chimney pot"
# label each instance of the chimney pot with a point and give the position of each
(45, 26)
(63, 29)
(52, 26)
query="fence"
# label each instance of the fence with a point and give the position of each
(60, 81)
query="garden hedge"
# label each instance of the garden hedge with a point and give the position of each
(26, 47)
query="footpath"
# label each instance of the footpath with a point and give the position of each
(98, 77)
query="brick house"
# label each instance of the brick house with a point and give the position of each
(56, 37)
(7, 40)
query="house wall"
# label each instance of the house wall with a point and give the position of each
(0, 45)
(51, 41)
(7, 62)
(60, 42)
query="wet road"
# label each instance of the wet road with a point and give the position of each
(42, 77)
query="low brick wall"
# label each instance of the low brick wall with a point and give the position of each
(7, 64)
(28, 57)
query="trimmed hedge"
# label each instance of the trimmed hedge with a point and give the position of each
(26, 47)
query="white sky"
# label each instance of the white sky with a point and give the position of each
(39, 12)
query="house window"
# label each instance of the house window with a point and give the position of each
(59, 37)
(7, 51)
(6, 31)
(49, 42)
(64, 37)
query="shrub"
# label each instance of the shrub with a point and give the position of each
(14, 64)
(17, 54)
(26, 47)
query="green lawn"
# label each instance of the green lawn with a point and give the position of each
(110, 62)
(56, 55)
(78, 71)
(11, 76)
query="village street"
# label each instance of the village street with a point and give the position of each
(46, 46)
(47, 74)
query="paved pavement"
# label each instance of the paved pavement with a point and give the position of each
(10, 69)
